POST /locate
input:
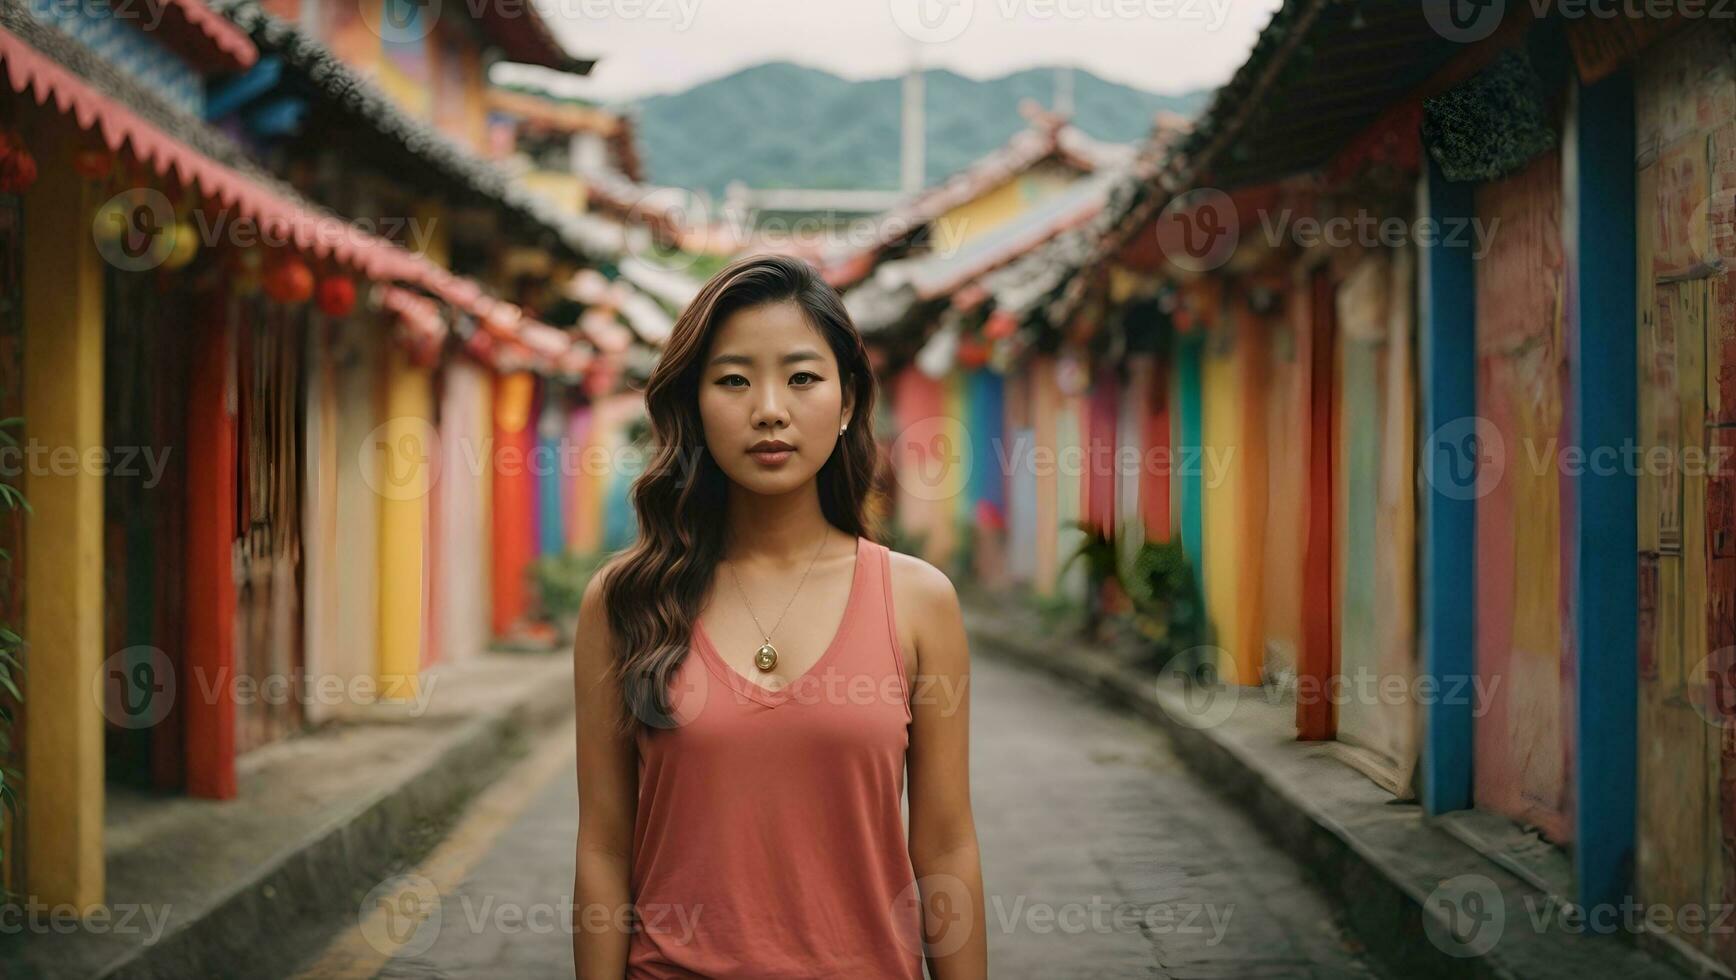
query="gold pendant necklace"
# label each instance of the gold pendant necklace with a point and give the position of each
(766, 657)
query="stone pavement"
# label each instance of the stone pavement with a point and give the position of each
(1104, 856)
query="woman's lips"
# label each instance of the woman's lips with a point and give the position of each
(771, 457)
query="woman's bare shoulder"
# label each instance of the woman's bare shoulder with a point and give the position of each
(925, 598)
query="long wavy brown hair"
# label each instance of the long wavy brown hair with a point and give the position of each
(655, 588)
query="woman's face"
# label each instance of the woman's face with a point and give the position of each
(770, 376)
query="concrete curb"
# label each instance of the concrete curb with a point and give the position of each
(248, 931)
(1378, 860)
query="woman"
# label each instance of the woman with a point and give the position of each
(741, 771)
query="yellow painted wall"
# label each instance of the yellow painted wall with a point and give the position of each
(1221, 503)
(409, 441)
(63, 574)
(564, 191)
(998, 206)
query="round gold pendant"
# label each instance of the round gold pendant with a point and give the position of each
(766, 657)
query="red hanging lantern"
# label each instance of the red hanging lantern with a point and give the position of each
(289, 281)
(17, 165)
(93, 162)
(337, 296)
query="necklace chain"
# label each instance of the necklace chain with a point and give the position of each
(768, 633)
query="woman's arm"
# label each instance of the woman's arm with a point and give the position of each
(608, 794)
(943, 843)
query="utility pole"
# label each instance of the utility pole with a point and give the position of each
(911, 153)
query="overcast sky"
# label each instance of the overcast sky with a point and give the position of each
(646, 47)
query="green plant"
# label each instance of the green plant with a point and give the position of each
(1168, 607)
(1099, 552)
(559, 582)
(11, 666)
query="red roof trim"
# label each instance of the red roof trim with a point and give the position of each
(324, 236)
(203, 36)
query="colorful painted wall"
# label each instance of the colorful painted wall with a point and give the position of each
(1686, 116)
(1524, 649)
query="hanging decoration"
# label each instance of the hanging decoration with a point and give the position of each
(248, 262)
(337, 296)
(17, 164)
(93, 161)
(183, 245)
(289, 280)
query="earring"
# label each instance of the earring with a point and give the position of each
(846, 426)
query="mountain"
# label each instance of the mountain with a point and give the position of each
(784, 125)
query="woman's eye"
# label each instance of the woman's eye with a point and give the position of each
(725, 381)
(804, 374)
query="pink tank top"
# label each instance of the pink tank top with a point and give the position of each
(769, 841)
